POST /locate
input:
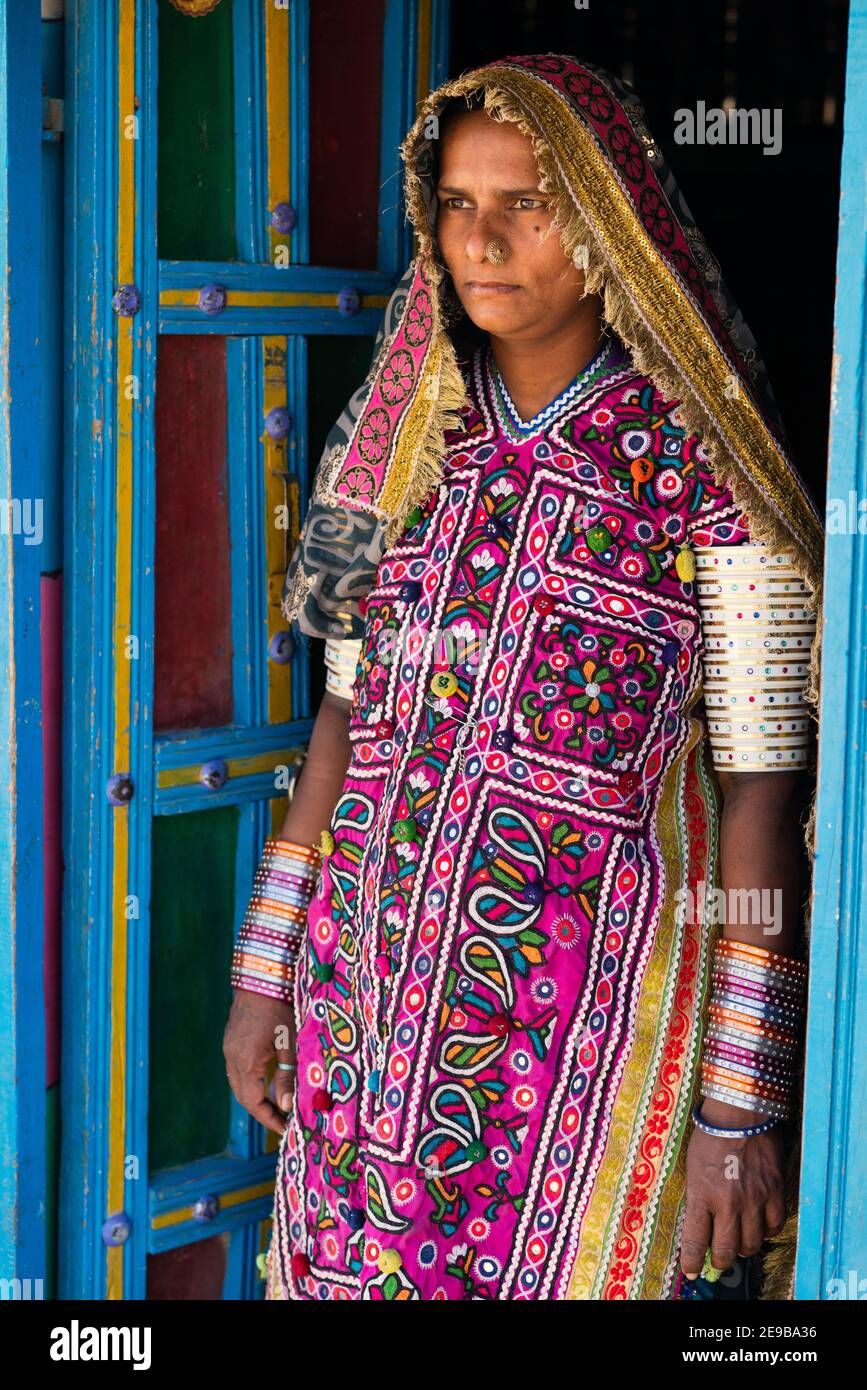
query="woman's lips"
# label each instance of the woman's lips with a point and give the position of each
(490, 287)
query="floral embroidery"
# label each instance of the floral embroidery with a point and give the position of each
(397, 377)
(590, 691)
(374, 435)
(419, 319)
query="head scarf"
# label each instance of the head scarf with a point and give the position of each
(622, 218)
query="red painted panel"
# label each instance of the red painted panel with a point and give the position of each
(193, 602)
(345, 82)
(189, 1271)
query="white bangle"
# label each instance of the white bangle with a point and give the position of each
(341, 665)
(758, 626)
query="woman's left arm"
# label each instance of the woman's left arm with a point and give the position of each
(734, 1187)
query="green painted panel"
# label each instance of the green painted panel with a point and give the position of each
(196, 137)
(192, 920)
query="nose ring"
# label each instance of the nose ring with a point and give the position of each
(497, 251)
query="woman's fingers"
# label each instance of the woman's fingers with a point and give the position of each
(752, 1230)
(234, 1078)
(726, 1240)
(695, 1238)
(775, 1214)
(253, 1095)
(256, 1027)
(247, 1079)
(284, 1076)
(265, 1112)
(246, 1070)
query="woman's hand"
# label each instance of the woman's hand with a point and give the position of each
(735, 1195)
(735, 1191)
(259, 1027)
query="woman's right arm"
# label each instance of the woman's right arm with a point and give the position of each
(250, 1034)
(323, 774)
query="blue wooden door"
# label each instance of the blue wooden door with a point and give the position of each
(239, 229)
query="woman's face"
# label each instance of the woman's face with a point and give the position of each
(488, 187)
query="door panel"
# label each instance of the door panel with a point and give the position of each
(195, 1271)
(345, 56)
(192, 924)
(192, 573)
(196, 142)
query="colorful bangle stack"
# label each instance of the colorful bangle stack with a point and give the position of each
(754, 1029)
(270, 935)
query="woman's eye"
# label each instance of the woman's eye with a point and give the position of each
(530, 204)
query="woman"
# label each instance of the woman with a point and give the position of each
(528, 1065)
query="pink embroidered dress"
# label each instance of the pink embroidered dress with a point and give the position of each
(499, 999)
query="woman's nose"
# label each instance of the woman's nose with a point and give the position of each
(478, 236)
